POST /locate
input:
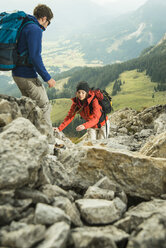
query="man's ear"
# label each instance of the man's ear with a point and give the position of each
(42, 20)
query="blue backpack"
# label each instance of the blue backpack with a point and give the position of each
(11, 25)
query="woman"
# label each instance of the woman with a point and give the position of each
(86, 104)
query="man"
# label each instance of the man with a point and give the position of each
(25, 76)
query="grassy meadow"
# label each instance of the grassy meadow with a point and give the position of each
(136, 92)
(60, 108)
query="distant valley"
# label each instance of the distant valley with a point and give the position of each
(117, 40)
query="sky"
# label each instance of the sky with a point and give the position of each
(127, 4)
(74, 14)
(123, 5)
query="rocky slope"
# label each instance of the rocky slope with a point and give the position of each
(108, 193)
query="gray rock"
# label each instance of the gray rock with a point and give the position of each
(114, 143)
(98, 237)
(123, 130)
(160, 124)
(94, 192)
(53, 172)
(22, 236)
(48, 215)
(28, 216)
(22, 107)
(20, 155)
(151, 233)
(56, 236)
(7, 197)
(136, 215)
(5, 119)
(33, 194)
(7, 214)
(69, 208)
(45, 173)
(113, 127)
(145, 133)
(60, 138)
(12, 212)
(98, 211)
(53, 191)
(156, 147)
(107, 184)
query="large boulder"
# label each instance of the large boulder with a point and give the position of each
(138, 175)
(21, 153)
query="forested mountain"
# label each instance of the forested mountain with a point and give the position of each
(154, 62)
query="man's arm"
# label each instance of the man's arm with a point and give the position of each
(34, 40)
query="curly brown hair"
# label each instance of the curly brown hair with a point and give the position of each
(42, 10)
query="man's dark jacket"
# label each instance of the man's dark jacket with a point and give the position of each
(31, 39)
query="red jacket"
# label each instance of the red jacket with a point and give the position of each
(92, 119)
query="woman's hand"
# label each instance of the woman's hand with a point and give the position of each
(56, 129)
(80, 128)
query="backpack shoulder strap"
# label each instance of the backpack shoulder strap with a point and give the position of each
(23, 58)
(22, 26)
(90, 105)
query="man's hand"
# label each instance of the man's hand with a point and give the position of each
(51, 83)
(80, 128)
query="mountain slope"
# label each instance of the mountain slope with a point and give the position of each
(137, 92)
(109, 40)
(152, 60)
(126, 36)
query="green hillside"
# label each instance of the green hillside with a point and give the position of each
(137, 92)
(60, 108)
